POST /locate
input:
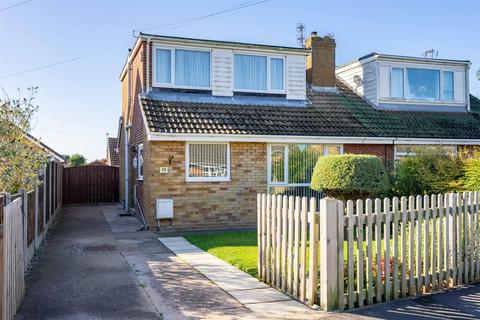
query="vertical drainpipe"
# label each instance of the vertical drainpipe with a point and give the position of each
(127, 127)
(467, 87)
(148, 66)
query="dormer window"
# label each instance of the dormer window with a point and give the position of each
(254, 73)
(182, 68)
(421, 84)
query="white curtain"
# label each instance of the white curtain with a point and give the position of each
(250, 72)
(192, 68)
(163, 66)
(276, 74)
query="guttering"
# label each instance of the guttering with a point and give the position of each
(154, 136)
(147, 63)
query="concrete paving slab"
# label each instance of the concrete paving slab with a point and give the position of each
(280, 307)
(258, 295)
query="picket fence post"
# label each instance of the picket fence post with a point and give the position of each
(328, 254)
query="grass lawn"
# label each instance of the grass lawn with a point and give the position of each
(239, 248)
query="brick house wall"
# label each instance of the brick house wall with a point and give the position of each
(137, 131)
(205, 204)
(386, 152)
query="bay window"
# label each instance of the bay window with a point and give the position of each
(207, 161)
(421, 84)
(182, 68)
(259, 73)
(290, 167)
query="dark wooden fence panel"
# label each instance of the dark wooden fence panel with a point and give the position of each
(90, 185)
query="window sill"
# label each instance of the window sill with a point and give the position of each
(140, 179)
(207, 179)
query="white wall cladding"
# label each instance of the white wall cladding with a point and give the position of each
(361, 78)
(222, 72)
(296, 77)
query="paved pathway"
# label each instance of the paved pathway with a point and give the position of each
(255, 295)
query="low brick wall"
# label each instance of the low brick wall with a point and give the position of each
(205, 204)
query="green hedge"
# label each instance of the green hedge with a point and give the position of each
(350, 176)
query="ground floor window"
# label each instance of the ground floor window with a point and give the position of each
(406, 150)
(290, 167)
(207, 161)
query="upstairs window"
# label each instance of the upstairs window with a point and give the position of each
(422, 84)
(396, 83)
(447, 93)
(258, 73)
(182, 68)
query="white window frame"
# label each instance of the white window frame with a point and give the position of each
(172, 84)
(140, 162)
(205, 179)
(435, 68)
(268, 56)
(285, 182)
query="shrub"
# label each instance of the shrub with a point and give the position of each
(470, 181)
(349, 176)
(428, 172)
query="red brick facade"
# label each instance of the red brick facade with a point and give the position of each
(383, 151)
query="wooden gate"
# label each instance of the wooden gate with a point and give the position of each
(90, 185)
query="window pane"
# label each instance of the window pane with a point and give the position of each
(140, 161)
(276, 74)
(423, 84)
(250, 72)
(192, 68)
(448, 85)
(163, 66)
(208, 160)
(397, 83)
(277, 163)
(302, 159)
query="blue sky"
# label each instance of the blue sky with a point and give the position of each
(80, 101)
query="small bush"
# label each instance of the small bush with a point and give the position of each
(470, 181)
(428, 172)
(349, 176)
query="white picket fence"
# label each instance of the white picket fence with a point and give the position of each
(368, 251)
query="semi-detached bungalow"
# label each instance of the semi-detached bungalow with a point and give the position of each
(206, 125)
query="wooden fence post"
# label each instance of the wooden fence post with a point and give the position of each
(35, 239)
(24, 223)
(328, 254)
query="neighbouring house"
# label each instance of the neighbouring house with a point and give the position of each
(209, 124)
(98, 162)
(112, 152)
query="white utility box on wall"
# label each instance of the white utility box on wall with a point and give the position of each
(164, 209)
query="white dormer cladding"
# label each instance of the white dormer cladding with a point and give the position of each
(406, 83)
(281, 71)
(222, 72)
(295, 75)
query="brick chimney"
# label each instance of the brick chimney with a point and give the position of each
(321, 62)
